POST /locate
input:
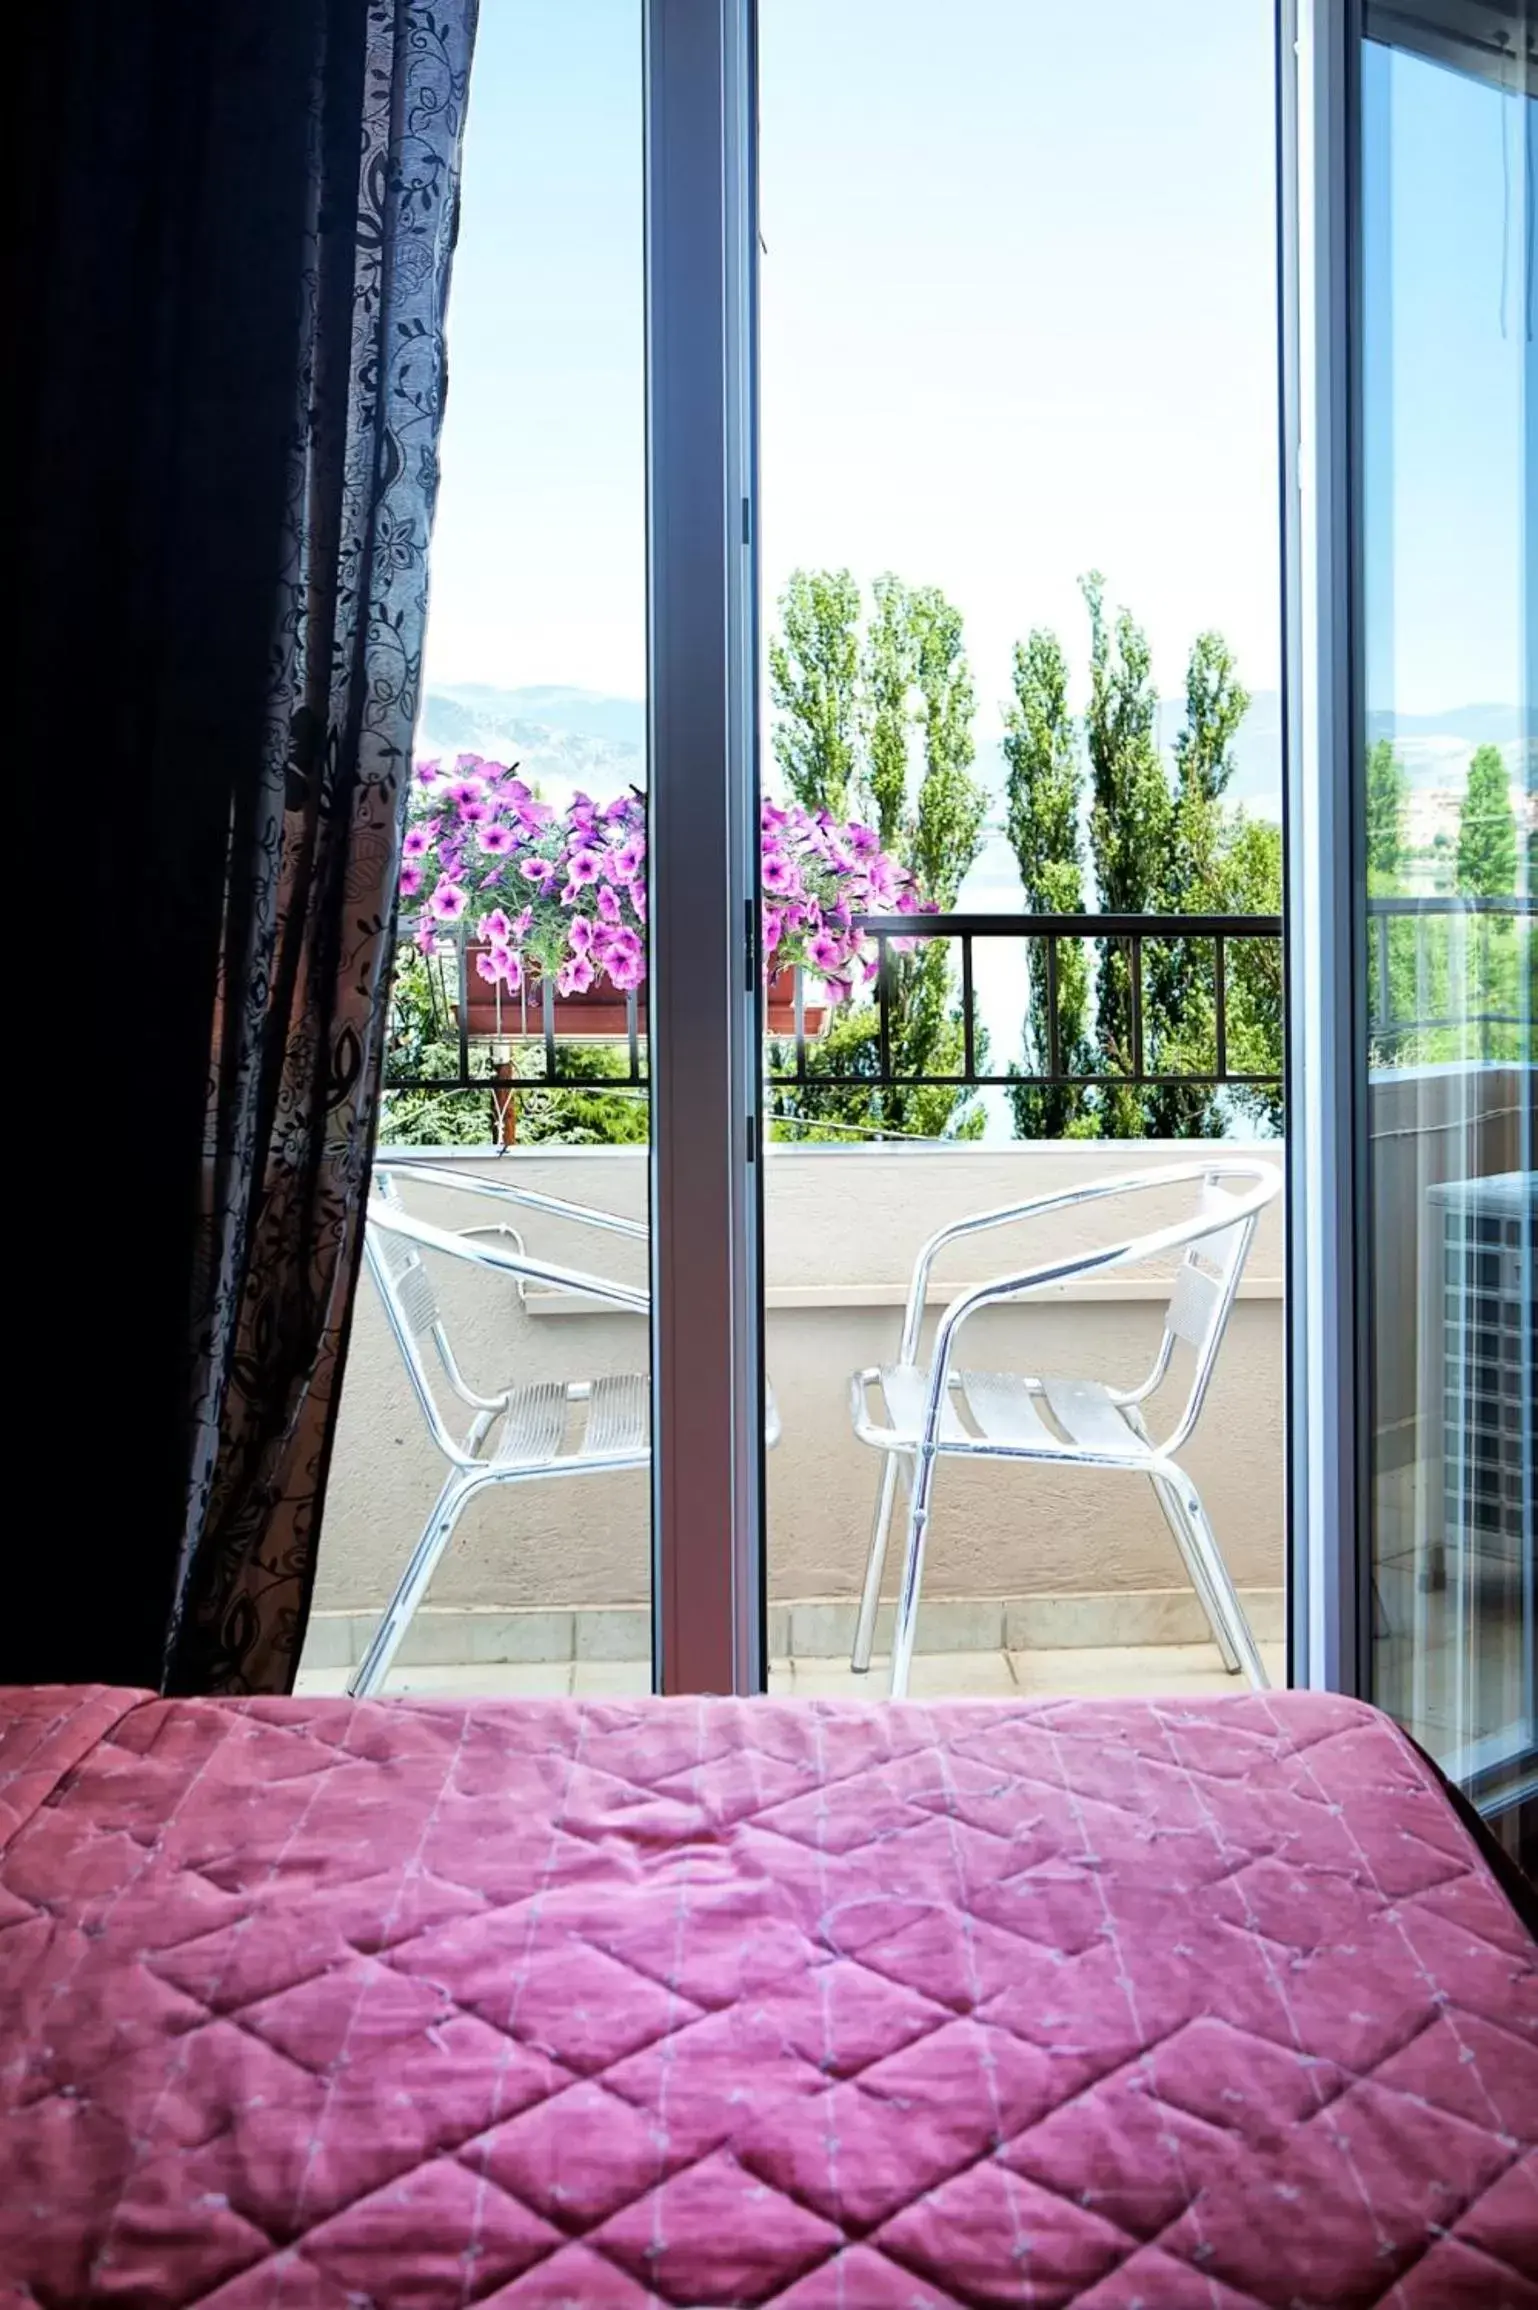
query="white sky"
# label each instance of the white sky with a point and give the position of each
(1018, 319)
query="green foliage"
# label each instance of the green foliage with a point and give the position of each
(888, 674)
(1249, 881)
(813, 683)
(1158, 847)
(1387, 794)
(952, 806)
(551, 1115)
(1045, 788)
(1131, 809)
(420, 1041)
(1487, 829)
(852, 1047)
(848, 713)
(1181, 991)
(1455, 987)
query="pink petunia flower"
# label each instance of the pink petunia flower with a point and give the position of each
(496, 841)
(496, 927)
(575, 976)
(417, 843)
(411, 881)
(448, 901)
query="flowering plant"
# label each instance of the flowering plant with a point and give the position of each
(563, 893)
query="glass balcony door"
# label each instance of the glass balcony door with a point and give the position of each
(1021, 643)
(564, 1230)
(1446, 795)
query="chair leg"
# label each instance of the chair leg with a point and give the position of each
(1169, 1502)
(870, 1598)
(374, 1667)
(906, 1624)
(1224, 1595)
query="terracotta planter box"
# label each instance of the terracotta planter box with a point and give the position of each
(599, 1014)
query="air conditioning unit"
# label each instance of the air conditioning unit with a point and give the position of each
(1481, 1356)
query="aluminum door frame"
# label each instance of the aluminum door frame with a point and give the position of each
(704, 1002)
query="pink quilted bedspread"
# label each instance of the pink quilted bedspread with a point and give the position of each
(415, 2007)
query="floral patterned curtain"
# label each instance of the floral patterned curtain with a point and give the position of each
(314, 841)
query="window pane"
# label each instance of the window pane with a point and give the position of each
(1018, 323)
(1448, 427)
(518, 1054)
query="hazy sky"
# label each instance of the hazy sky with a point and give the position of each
(1450, 315)
(1018, 320)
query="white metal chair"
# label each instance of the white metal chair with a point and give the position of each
(543, 1428)
(937, 1411)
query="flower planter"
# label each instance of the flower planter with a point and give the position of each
(599, 1014)
(780, 1007)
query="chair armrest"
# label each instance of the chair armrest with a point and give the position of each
(1131, 1251)
(392, 1220)
(1007, 1214)
(529, 1198)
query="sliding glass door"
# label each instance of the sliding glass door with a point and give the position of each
(1446, 799)
(564, 1230)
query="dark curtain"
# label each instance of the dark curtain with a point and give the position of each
(236, 228)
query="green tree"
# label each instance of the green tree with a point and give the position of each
(904, 689)
(952, 806)
(1487, 829)
(1249, 881)
(1487, 868)
(888, 716)
(586, 1115)
(1180, 1033)
(1159, 847)
(1392, 940)
(1045, 789)
(1387, 794)
(1129, 828)
(814, 687)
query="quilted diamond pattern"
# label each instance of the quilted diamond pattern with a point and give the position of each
(357, 2006)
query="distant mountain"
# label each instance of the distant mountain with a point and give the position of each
(1476, 725)
(562, 739)
(456, 706)
(567, 738)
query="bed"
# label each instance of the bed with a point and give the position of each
(415, 2006)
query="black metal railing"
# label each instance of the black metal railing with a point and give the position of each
(527, 1022)
(1132, 933)
(1449, 955)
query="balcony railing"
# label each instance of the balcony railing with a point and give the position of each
(534, 1020)
(1454, 982)
(1133, 933)
(1416, 989)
